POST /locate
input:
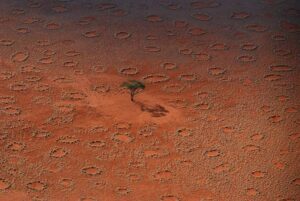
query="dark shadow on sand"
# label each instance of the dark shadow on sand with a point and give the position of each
(155, 110)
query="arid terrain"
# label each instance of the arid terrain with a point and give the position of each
(218, 119)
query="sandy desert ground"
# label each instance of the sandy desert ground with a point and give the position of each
(218, 120)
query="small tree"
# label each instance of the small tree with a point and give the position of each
(134, 87)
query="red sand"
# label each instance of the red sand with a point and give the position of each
(218, 120)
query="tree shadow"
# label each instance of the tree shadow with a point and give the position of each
(155, 110)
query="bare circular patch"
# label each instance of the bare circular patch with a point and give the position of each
(256, 27)
(66, 183)
(98, 129)
(6, 75)
(147, 130)
(128, 70)
(123, 126)
(218, 46)
(30, 69)
(58, 153)
(67, 139)
(201, 56)
(122, 190)
(122, 35)
(91, 34)
(119, 12)
(185, 132)
(246, 58)
(23, 30)
(16, 146)
(163, 175)
(43, 43)
(105, 6)
(72, 53)
(156, 78)
(180, 23)
(282, 52)
(249, 46)
(53, 26)
(152, 49)
(6, 42)
(10, 110)
(281, 68)
(41, 133)
(154, 18)
(279, 37)
(4, 184)
(196, 31)
(185, 51)
(91, 171)
(20, 56)
(42, 87)
(96, 144)
(169, 65)
(188, 77)
(33, 79)
(36, 186)
(240, 15)
(201, 106)
(46, 60)
(216, 71)
(201, 16)
(122, 137)
(99, 68)
(74, 95)
(212, 153)
(169, 198)
(7, 99)
(272, 77)
(101, 88)
(70, 64)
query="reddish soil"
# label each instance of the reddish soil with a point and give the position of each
(218, 120)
